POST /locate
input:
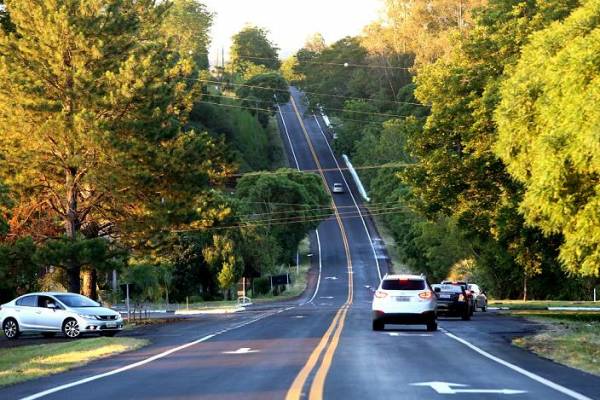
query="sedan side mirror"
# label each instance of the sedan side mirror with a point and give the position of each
(52, 306)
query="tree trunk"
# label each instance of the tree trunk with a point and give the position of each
(90, 279)
(72, 226)
(524, 287)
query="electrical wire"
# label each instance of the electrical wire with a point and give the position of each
(252, 225)
(313, 93)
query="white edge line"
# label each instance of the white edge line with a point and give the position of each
(520, 370)
(362, 218)
(320, 268)
(288, 137)
(145, 361)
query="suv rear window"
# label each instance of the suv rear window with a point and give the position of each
(403, 284)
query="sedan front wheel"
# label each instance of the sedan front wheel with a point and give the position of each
(71, 329)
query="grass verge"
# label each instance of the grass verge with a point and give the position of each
(540, 304)
(391, 246)
(21, 364)
(569, 338)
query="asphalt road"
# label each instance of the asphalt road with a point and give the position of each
(322, 346)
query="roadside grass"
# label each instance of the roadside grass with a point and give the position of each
(24, 363)
(276, 147)
(569, 338)
(392, 248)
(540, 304)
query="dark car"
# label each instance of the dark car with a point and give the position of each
(454, 301)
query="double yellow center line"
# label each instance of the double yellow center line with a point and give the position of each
(327, 345)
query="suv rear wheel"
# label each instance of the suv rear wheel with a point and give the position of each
(432, 327)
(378, 325)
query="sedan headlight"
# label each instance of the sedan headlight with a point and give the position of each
(86, 316)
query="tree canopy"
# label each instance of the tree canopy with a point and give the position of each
(252, 47)
(549, 135)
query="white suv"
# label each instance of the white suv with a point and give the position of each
(404, 299)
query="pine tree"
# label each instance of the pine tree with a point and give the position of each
(92, 99)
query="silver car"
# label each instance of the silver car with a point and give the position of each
(51, 313)
(479, 297)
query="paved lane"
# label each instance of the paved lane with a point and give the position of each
(320, 346)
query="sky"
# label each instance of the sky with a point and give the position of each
(290, 22)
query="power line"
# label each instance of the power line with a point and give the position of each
(336, 64)
(346, 216)
(291, 112)
(313, 93)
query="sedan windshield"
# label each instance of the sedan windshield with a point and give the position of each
(75, 300)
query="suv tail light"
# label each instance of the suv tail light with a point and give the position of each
(461, 297)
(380, 295)
(426, 294)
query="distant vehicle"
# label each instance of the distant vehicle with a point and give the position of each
(479, 297)
(51, 313)
(454, 301)
(404, 299)
(338, 188)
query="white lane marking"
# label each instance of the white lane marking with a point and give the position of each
(449, 388)
(242, 350)
(288, 137)
(520, 370)
(147, 360)
(331, 278)
(362, 218)
(320, 268)
(298, 316)
(326, 297)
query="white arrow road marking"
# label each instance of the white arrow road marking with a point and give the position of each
(449, 388)
(331, 278)
(242, 350)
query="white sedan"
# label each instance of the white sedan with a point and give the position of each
(50, 313)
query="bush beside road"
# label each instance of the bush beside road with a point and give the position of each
(29, 362)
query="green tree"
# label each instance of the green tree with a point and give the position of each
(95, 107)
(548, 134)
(252, 46)
(188, 24)
(285, 205)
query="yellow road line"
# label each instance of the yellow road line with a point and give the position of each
(318, 384)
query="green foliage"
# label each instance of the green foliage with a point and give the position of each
(324, 72)
(264, 91)
(223, 256)
(187, 25)
(251, 46)
(92, 113)
(285, 206)
(145, 284)
(548, 134)
(19, 270)
(96, 253)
